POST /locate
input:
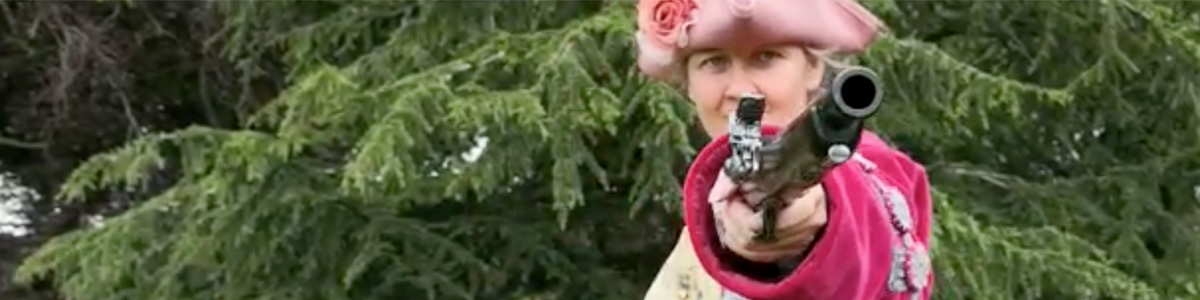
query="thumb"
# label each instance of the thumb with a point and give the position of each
(722, 189)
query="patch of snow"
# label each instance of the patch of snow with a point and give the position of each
(481, 143)
(13, 198)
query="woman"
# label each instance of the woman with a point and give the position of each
(861, 233)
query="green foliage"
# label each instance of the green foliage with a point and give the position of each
(1097, 139)
(353, 184)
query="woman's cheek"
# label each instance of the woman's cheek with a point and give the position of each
(782, 117)
(710, 114)
(782, 113)
(715, 124)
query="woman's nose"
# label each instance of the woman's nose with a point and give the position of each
(740, 85)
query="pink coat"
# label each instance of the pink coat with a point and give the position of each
(873, 246)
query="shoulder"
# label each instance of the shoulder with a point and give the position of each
(895, 166)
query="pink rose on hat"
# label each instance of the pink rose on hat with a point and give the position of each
(662, 26)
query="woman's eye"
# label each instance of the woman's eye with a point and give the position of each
(769, 55)
(715, 61)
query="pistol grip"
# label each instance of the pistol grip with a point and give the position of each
(770, 213)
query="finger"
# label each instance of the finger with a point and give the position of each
(743, 218)
(754, 198)
(754, 195)
(804, 213)
(723, 205)
(739, 224)
(795, 242)
(747, 187)
(797, 222)
(722, 189)
(800, 192)
(742, 242)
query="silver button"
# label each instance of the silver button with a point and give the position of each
(839, 153)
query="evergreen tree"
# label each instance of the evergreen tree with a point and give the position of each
(81, 77)
(510, 150)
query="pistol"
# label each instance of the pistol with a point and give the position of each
(822, 137)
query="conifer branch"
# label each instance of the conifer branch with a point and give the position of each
(6, 141)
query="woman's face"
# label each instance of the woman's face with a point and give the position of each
(716, 78)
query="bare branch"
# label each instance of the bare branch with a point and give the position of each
(10, 142)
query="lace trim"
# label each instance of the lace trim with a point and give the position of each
(910, 267)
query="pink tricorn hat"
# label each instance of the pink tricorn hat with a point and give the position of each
(668, 30)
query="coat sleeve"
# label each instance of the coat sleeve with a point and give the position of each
(879, 219)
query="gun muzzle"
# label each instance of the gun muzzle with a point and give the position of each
(821, 138)
(855, 94)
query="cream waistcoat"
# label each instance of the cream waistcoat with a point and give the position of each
(682, 277)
